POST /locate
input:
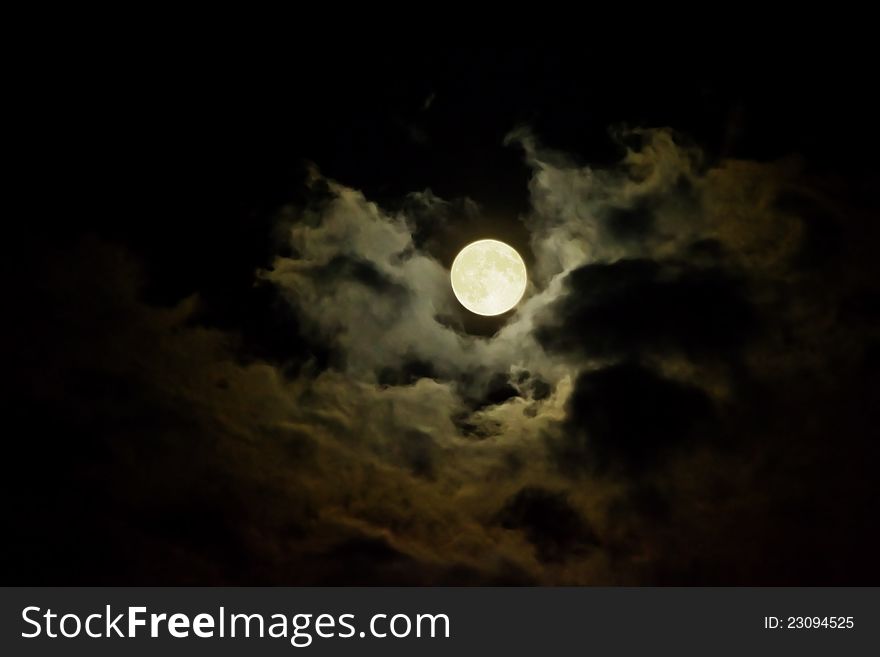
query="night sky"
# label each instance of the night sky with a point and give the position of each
(233, 355)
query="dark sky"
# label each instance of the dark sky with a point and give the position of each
(188, 145)
(234, 360)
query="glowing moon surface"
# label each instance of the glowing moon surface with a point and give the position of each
(488, 277)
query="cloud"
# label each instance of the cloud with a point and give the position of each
(550, 523)
(667, 323)
(626, 416)
(633, 306)
(693, 335)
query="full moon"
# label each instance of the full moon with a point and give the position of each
(488, 277)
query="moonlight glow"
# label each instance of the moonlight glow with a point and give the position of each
(488, 277)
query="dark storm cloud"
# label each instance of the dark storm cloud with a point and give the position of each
(627, 417)
(549, 522)
(628, 307)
